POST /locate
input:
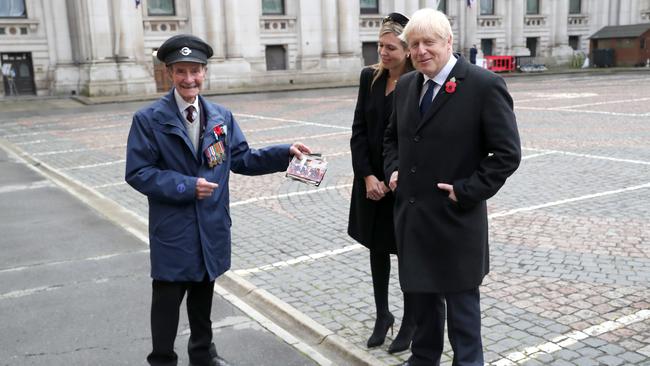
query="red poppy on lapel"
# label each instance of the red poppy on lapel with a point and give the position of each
(450, 86)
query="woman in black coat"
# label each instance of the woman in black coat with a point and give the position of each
(371, 206)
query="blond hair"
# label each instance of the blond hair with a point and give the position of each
(396, 29)
(429, 22)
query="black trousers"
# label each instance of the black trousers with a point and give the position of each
(463, 326)
(165, 307)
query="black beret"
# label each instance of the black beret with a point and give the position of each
(397, 18)
(184, 48)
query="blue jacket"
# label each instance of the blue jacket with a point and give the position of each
(188, 237)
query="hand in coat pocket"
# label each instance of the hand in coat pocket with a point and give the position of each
(450, 189)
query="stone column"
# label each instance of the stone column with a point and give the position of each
(63, 75)
(135, 73)
(348, 22)
(233, 39)
(468, 26)
(329, 14)
(108, 44)
(561, 50)
(410, 7)
(517, 41)
(129, 32)
(249, 13)
(215, 28)
(349, 41)
(624, 12)
(309, 25)
(198, 17)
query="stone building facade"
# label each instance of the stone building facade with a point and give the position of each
(105, 47)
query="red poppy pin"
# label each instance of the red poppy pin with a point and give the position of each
(450, 86)
(219, 131)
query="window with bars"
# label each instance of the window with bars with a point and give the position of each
(272, 7)
(161, 7)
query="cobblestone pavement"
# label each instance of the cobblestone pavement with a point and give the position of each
(570, 231)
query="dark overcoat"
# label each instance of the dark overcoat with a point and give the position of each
(190, 238)
(370, 222)
(467, 138)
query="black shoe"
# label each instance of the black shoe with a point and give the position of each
(402, 341)
(218, 361)
(382, 324)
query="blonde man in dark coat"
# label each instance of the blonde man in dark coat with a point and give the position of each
(451, 143)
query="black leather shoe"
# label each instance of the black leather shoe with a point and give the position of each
(218, 361)
(402, 341)
(382, 324)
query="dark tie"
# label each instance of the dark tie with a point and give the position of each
(427, 99)
(189, 113)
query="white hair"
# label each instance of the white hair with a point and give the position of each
(428, 22)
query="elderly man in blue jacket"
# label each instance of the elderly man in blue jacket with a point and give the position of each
(180, 152)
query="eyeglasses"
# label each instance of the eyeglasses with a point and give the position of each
(396, 18)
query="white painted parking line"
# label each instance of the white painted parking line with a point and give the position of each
(109, 185)
(568, 339)
(22, 187)
(590, 156)
(67, 131)
(606, 102)
(56, 263)
(583, 111)
(568, 200)
(294, 121)
(299, 138)
(301, 259)
(287, 195)
(89, 166)
(55, 152)
(27, 292)
(537, 155)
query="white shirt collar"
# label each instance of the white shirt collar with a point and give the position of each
(441, 77)
(182, 104)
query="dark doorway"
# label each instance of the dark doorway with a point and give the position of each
(574, 42)
(276, 58)
(486, 46)
(531, 44)
(369, 52)
(22, 72)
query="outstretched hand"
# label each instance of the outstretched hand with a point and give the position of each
(298, 148)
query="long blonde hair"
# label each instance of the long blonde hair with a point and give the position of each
(389, 26)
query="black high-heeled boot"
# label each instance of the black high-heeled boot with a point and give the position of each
(402, 341)
(382, 324)
(406, 331)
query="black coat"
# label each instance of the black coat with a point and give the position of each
(469, 139)
(370, 222)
